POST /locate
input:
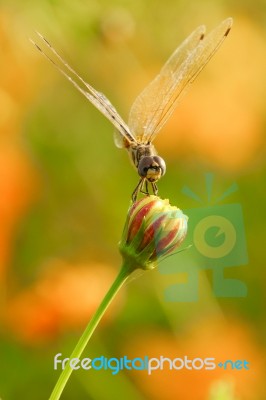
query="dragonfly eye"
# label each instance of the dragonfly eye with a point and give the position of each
(160, 161)
(144, 164)
(152, 168)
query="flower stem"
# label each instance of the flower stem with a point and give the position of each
(65, 374)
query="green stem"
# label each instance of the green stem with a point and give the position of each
(65, 374)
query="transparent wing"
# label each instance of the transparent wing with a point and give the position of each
(96, 98)
(118, 139)
(157, 102)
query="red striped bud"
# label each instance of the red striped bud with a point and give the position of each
(153, 230)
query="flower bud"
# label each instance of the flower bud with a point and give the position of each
(153, 229)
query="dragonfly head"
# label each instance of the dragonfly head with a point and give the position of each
(152, 168)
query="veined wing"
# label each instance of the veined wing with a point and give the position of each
(146, 108)
(157, 102)
(96, 98)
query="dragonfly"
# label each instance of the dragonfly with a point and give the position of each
(154, 105)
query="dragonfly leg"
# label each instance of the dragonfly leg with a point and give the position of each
(138, 189)
(146, 187)
(154, 188)
(146, 191)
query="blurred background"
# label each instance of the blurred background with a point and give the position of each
(65, 191)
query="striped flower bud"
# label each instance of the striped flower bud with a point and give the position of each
(153, 229)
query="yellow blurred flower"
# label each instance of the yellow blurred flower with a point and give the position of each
(64, 297)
